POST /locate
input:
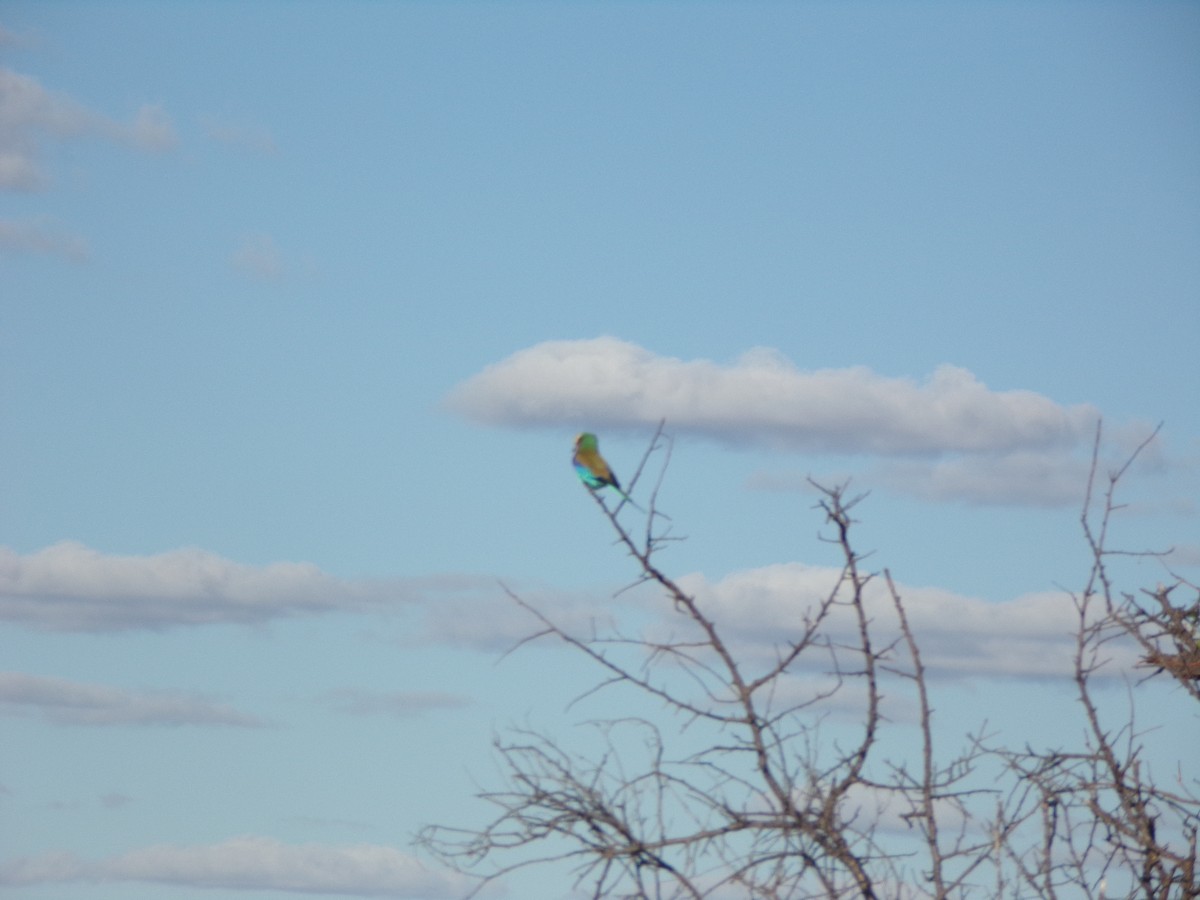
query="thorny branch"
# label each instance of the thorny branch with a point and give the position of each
(731, 792)
(1100, 813)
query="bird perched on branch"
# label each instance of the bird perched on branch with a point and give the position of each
(593, 471)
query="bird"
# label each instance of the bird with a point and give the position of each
(593, 471)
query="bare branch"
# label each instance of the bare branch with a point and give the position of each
(732, 789)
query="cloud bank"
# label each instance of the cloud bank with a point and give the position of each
(763, 398)
(66, 702)
(1031, 636)
(71, 587)
(250, 863)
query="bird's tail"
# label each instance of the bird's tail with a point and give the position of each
(628, 499)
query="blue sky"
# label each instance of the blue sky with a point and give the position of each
(301, 305)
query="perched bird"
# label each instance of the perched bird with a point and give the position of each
(591, 467)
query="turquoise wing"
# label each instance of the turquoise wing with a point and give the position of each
(586, 476)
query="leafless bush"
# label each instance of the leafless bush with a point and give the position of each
(1093, 818)
(732, 790)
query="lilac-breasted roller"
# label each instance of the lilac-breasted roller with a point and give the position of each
(591, 467)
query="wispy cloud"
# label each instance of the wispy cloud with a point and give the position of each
(240, 136)
(258, 256)
(39, 236)
(1184, 555)
(30, 114)
(1018, 479)
(71, 587)
(486, 619)
(399, 704)
(115, 800)
(151, 130)
(66, 702)
(9, 38)
(250, 863)
(763, 398)
(1052, 478)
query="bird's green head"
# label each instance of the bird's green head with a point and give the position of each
(585, 441)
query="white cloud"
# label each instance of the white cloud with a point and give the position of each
(763, 398)
(71, 587)
(40, 237)
(250, 863)
(66, 702)
(31, 113)
(1028, 637)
